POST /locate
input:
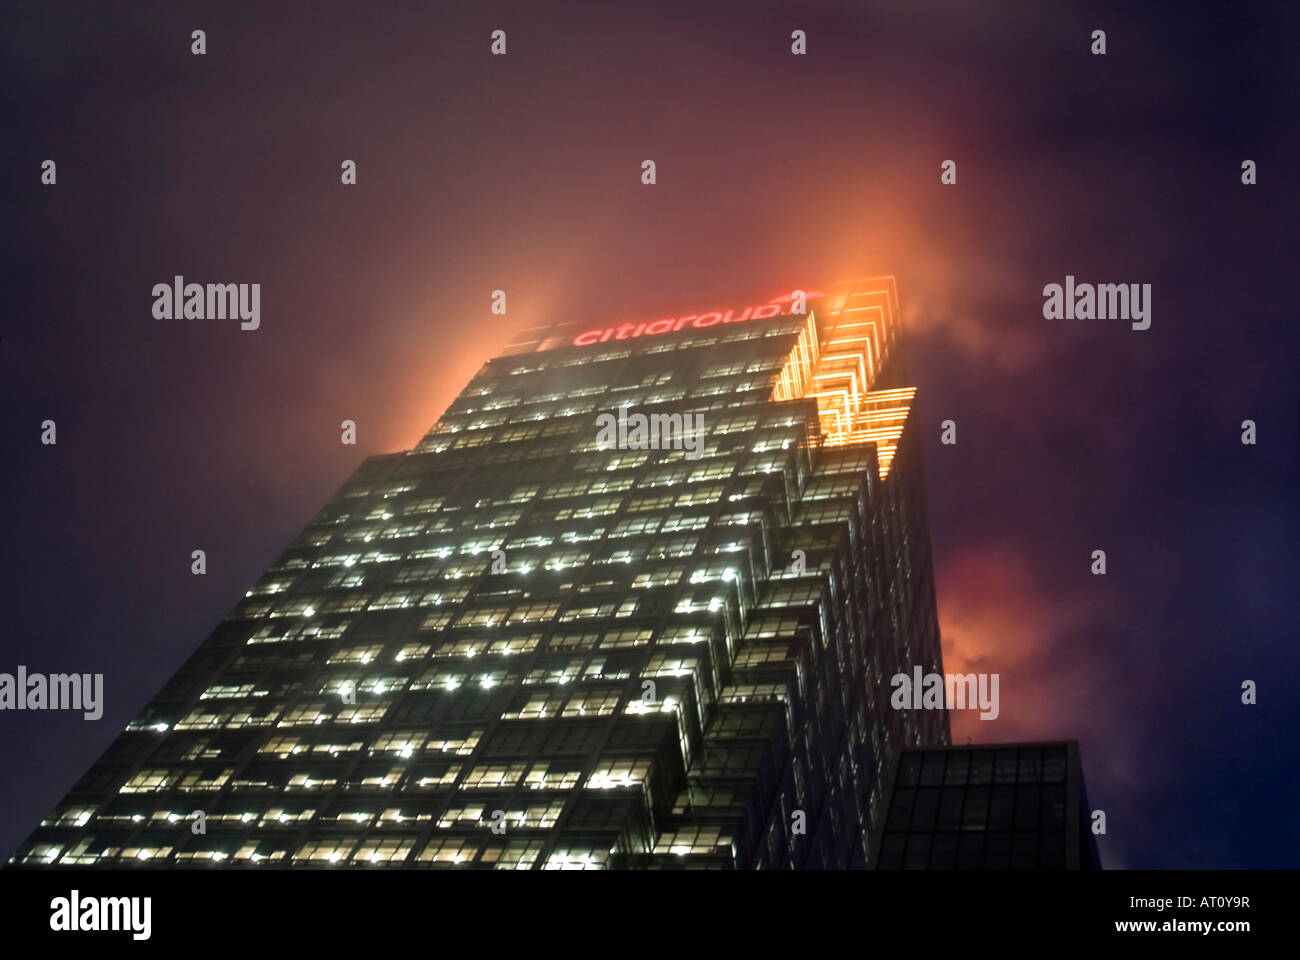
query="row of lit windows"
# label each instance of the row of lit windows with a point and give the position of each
(562, 403)
(538, 775)
(364, 712)
(573, 488)
(452, 851)
(434, 572)
(710, 467)
(452, 436)
(511, 815)
(616, 350)
(464, 419)
(342, 684)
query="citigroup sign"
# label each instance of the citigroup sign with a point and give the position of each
(792, 304)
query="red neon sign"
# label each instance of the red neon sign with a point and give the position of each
(780, 306)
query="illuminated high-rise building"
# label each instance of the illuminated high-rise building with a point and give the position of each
(635, 600)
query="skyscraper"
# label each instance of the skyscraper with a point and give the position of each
(635, 600)
(994, 806)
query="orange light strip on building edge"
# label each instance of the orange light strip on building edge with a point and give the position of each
(856, 337)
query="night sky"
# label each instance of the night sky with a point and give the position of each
(523, 173)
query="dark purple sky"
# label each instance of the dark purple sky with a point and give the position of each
(774, 171)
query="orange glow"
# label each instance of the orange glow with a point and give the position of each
(794, 377)
(856, 333)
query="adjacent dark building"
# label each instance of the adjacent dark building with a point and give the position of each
(536, 641)
(1005, 806)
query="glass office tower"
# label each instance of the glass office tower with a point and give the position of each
(634, 601)
(997, 806)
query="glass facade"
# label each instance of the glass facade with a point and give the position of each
(992, 807)
(521, 646)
